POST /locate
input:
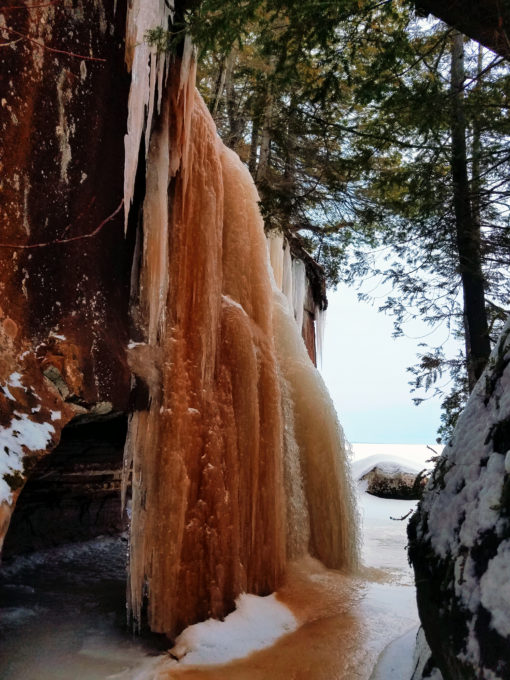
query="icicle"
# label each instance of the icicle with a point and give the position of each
(320, 325)
(212, 433)
(145, 66)
(287, 283)
(327, 484)
(275, 244)
(298, 519)
(237, 456)
(298, 291)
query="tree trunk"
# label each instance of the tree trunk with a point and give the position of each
(236, 124)
(467, 229)
(254, 144)
(220, 86)
(265, 140)
(476, 150)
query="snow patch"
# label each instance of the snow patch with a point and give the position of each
(21, 436)
(256, 623)
(14, 380)
(495, 589)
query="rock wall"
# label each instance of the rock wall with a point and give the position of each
(64, 261)
(459, 538)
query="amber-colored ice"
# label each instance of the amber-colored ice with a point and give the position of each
(332, 519)
(237, 458)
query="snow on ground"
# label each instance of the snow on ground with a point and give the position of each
(390, 605)
(393, 602)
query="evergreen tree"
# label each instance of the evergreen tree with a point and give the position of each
(441, 204)
(362, 132)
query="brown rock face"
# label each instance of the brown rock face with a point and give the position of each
(64, 261)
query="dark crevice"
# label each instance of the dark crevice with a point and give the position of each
(73, 493)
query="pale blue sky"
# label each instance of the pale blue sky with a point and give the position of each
(365, 371)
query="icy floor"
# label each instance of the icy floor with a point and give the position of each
(62, 615)
(384, 547)
(390, 605)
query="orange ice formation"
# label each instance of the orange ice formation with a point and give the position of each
(237, 458)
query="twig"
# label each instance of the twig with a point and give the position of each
(11, 42)
(50, 49)
(66, 240)
(401, 519)
(435, 457)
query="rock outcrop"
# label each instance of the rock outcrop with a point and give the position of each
(387, 481)
(459, 538)
(65, 263)
(73, 493)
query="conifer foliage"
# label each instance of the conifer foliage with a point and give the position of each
(368, 129)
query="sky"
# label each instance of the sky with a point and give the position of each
(365, 371)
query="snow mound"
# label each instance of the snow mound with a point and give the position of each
(256, 623)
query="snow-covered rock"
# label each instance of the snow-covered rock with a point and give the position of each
(394, 483)
(390, 477)
(460, 536)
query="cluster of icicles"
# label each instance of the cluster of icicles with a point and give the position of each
(238, 461)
